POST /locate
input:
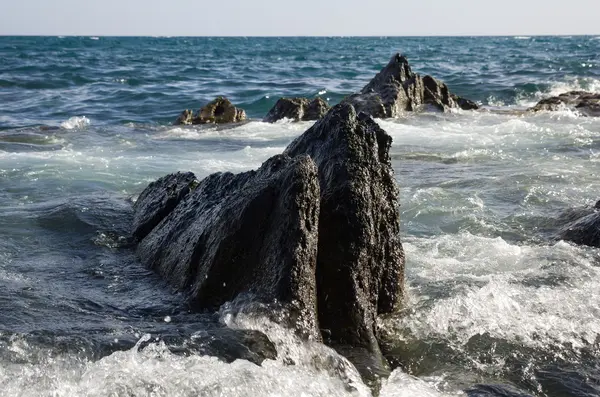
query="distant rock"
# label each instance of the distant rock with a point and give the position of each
(297, 109)
(585, 103)
(219, 111)
(396, 89)
(315, 229)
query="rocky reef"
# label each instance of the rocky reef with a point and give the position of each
(313, 231)
(297, 109)
(584, 103)
(218, 111)
(396, 89)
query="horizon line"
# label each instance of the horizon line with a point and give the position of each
(297, 36)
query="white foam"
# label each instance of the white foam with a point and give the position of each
(76, 122)
(400, 384)
(255, 130)
(539, 296)
(559, 87)
(155, 371)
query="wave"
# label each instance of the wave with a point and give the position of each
(554, 88)
(75, 123)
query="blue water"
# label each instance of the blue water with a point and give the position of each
(116, 80)
(86, 124)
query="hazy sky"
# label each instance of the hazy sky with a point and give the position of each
(305, 17)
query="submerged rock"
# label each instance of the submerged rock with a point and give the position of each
(219, 111)
(585, 103)
(297, 109)
(396, 89)
(315, 229)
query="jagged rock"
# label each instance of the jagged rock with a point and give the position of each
(582, 226)
(185, 118)
(360, 265)
(396, 89)
(158, 200)
(254, 232)
(585, 103)
(315, 228)
(297, 109)
(219, 111)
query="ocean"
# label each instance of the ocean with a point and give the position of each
(495, 305)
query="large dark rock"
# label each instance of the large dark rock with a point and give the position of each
(396, 89)
(360, 261)
(585, 103)
(582, 226)
(254, 233)
(219, 111)
(315, 229)
(297, 109)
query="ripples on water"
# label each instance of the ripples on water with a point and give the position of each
(493, 299)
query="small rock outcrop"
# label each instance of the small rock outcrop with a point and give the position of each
(583, 226)
(396, 89)
(585, 103)
(315, 229)
(219, 111)
(297, 109)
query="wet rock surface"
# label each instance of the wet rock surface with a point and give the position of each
(585, 103)
(397, 89)
(315, 229)
(581, 226)
(297, 109)
(219, 111)
(249, 233)
(158, 200)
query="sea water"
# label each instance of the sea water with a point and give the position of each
(495, 305)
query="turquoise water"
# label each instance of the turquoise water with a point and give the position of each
(493, 299)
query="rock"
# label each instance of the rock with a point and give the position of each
(463, 103)
(158, 200)
(297, 109)
(315, 229)
(360, 265)
(396, 89)
(585, 103)
(250, 233)
(583, 226)
(219, 111)
(185, 118)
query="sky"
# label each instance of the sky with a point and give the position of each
(299, 18)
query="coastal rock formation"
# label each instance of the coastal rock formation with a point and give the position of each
(297, 109)
(585, 103)
(253, 233)
(583, 227)
(219, 111)
(396, 89)
(315, 229)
